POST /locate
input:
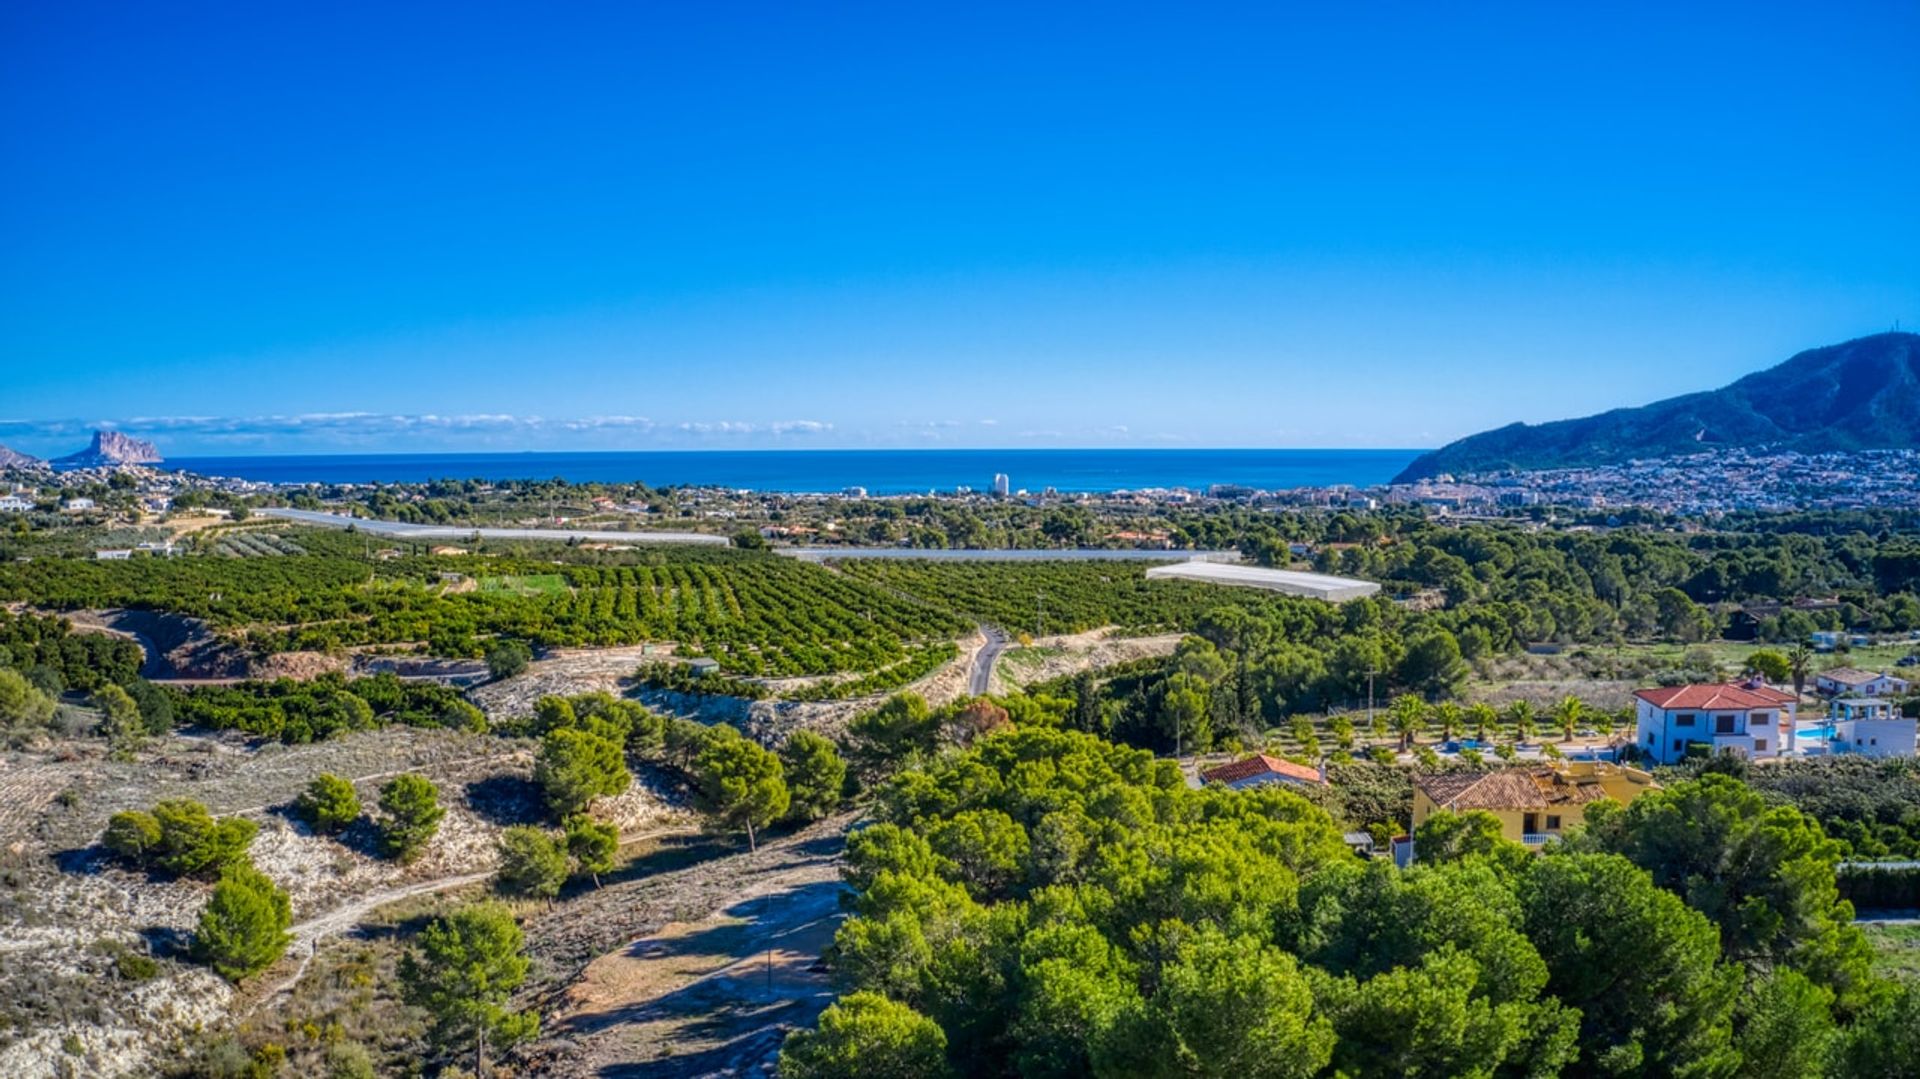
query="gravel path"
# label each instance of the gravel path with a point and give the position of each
(694, 971)
(307, 935)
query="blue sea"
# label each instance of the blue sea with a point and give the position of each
(881, 472)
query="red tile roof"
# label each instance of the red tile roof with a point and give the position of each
(1514, 788)
(1259, 765)
(1732, 695)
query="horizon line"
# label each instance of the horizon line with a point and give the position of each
(816, 449)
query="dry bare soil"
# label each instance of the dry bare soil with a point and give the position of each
(695, 958)
(67, 909)
(1048, 658)
(692, 972)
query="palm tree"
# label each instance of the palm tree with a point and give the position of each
(1409, 715)
(1800, 663)
(1447, 717)
(1522, 717)
(1483, 716)
(1567, 715)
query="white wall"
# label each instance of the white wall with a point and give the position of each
(1878, 737)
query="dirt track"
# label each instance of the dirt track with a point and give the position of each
(1056, 657)
(696, 971)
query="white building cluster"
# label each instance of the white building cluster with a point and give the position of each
(1756, 721)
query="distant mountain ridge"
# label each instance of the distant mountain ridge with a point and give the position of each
(111, 448)
(1860, 395)
(10, 458)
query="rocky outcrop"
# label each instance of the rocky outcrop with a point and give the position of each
(111, 449)
(16, 459)
(176, 646)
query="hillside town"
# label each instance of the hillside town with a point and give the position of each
(1695, 486)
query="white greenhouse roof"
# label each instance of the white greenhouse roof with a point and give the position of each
(1313, 585)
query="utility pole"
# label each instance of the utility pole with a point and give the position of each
(1370, 675)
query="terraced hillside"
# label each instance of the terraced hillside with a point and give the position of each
(755, 613)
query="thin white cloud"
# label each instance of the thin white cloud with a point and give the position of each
(743, 427)
(359, 428)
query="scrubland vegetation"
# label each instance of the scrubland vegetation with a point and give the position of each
(1049, 903)
(1040, 891)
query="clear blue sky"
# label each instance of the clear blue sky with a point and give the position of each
(257, 228)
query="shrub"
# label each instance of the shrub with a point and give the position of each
(243, 929)
(815, 775)
(156, 707)
(192, 843)
(532, 863)
(22, 704)
(740, 783)
(592, 845)
(329, 803)
(577, 766)
(412, 807)
(134, 967)
(349, 1060)
(508, 658)
(1880, 887)
(132, 834)
(866, 1034)
(122, 724)
(462, 971)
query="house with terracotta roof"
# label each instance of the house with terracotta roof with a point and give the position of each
(1748, 719)
(1535, 805)
(1260, 768)
(1852, 682)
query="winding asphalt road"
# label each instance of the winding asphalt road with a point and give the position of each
(983, 662)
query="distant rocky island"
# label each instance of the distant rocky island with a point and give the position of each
(109, 449)
(1861, 395)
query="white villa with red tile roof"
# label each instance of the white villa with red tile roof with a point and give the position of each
(1748, 719)
(1259, 769)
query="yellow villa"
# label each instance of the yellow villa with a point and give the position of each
(1535, 805)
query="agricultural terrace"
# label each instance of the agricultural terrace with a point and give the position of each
(237, 543)
(754, 612)
(537, 584)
